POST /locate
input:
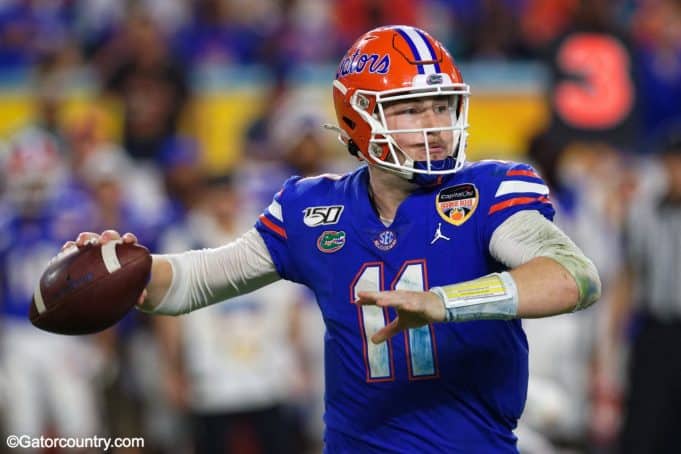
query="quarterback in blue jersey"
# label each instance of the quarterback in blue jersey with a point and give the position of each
(422, 263)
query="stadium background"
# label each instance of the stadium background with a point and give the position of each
(237, 81)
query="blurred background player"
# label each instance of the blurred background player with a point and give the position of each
(129, 196)
(649, 306)
(589, 185)
(50, 381)
(143, 74)
(286, 140)
(233, 368)
(182, 173)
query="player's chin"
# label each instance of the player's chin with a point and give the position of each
(421, 154)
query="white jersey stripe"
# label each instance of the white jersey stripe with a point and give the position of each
(517, 186)
(275, 210)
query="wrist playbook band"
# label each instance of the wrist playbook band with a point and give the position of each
(491, 297)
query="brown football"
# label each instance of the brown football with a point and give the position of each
(88, 289)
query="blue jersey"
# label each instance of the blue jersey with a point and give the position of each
(29, 242)
(445, 387)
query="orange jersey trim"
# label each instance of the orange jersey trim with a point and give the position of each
(517, 201)
(272, 226)
(522, 173)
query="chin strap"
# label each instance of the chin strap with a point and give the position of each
(343, 136)
(423, 179)
(345, 139)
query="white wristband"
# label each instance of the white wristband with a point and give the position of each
(491, 297)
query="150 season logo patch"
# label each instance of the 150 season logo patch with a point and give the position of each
(324, 215)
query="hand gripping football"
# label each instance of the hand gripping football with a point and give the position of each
(88, 289)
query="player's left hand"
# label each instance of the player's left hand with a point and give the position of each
(414, 309)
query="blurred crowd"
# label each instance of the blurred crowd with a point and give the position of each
(246, 376)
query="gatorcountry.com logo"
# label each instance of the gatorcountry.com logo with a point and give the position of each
(331, 241)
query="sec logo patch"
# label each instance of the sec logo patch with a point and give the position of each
(385, 240)
(456, 204)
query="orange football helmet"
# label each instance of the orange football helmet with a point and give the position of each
(395, 63)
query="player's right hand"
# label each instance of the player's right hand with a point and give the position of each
(103, 238)
(84, 238)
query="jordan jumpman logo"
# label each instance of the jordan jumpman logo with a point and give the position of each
(438, 234)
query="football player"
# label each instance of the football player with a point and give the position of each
(422, 264)
(49, 381)
(231, 366)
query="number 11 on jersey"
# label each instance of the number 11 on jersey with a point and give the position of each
(419, 342)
